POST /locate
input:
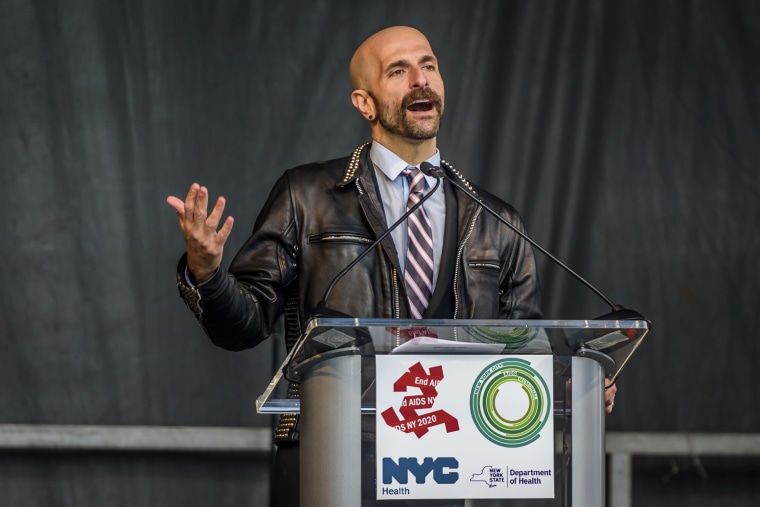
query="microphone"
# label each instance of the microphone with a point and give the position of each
(356, 337)
(322, 309)
(618, 312)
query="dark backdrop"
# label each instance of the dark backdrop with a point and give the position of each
(625, 132)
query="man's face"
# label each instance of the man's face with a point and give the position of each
(408, 89)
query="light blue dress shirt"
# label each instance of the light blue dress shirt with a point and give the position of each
(394, 192)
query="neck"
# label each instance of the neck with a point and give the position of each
(411, 151)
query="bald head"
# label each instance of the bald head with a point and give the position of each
(368, 60)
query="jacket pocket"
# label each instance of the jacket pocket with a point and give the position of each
(483, 283)
(485, 266)
(340, 237)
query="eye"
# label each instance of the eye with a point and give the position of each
(396, 72)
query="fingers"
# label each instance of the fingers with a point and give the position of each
(610, 390)
(192, 211)
(224, 233)
(196, 204)
(185, 209)
(196, 225)
(212, 222)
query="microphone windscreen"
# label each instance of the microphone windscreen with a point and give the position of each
(430, 170)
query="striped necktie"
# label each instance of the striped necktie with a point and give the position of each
(419, 254)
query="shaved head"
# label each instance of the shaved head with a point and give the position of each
(367, 63)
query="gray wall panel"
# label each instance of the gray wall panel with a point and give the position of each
(625, 132)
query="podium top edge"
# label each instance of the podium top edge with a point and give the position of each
(526, 323)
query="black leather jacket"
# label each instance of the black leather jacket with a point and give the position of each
(321, 216)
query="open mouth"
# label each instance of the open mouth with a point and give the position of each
(422, 105)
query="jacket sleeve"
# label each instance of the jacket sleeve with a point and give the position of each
(239, 307)
(520, 296)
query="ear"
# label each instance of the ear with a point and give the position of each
(364, 103)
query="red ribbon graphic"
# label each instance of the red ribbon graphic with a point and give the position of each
(413, 422)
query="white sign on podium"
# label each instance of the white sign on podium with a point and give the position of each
(464, 426)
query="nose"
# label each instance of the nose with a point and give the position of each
(418, 78)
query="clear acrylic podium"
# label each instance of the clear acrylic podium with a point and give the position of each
(334, 363)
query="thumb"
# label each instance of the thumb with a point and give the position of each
(176, 203)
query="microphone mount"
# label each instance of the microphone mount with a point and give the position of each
(322, 309)
(618, 312)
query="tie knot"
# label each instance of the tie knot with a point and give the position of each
(416, 179)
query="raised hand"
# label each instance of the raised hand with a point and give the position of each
(204, 240)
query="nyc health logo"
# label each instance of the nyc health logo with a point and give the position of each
(510, 402)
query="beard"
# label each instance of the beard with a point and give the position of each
(394, 119)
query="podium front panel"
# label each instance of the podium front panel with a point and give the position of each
(336, 366)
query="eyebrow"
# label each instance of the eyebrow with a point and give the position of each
(404, 62)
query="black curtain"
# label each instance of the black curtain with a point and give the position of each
(626, 133)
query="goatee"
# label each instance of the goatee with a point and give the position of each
(397, 122)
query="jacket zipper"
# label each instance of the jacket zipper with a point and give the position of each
(396, 305)
(394, 275)
(396, 297)
(458, 262)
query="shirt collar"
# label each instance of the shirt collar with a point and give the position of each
(391, 165)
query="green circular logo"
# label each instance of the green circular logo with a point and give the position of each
(511, 338)
(510, 402)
